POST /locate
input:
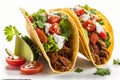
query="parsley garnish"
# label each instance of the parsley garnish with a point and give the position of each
(78, 70)
(116, 61)
(102, 71)
(10, 31)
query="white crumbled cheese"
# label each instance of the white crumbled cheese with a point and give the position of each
(85, 17)
(94, 21)
(59, 40)
(77, 7)
(52, 14)
(99, 28)
(47, 26)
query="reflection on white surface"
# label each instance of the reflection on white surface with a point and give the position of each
(10, 14)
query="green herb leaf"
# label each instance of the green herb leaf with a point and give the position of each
(57, 13)
(78, 70)
(40, 24)
(39, 18)
(101, 22)
(10, 31)
(102, 71)
(51, 45)
(65, 27)
(93, 11)
(86, 7)
(116, 61)
(107, 41)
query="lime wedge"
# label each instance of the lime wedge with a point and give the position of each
(22, 49)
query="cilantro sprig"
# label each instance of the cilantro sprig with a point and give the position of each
(102, 71)
(10, 31)
(116, 61)
(39, 18)
(78, 70)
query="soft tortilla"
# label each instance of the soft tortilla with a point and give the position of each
(74, 39)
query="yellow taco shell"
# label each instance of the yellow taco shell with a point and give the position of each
(84, 44)
(74, 39)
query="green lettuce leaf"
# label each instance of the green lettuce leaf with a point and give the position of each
(65, 27)
(107, 41)
(51, 45)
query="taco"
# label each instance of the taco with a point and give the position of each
(96, 33)
(56, 35)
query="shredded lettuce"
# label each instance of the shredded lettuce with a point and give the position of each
(107, 41)
(65, 27)
(51, 45)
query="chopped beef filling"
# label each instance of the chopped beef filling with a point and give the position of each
(99, 52)
(65, 52)
(61, 60)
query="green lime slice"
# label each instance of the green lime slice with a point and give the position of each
(22, 49)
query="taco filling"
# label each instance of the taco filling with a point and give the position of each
(97, 38)
(54, 31)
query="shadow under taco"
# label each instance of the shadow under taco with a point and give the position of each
(95, 31)
(57, 37)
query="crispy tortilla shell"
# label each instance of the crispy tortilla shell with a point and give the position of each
(84, 45)
(73, 40)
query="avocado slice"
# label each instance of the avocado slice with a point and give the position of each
(86, 35)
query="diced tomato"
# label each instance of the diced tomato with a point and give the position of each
(53, 19)
(88, 25)
(11, 60)
(93, 38)
(30, 18)
(94, 17)
(31, 68)
(54, 28)
(103, 35)
(80, 12)
(41, 35)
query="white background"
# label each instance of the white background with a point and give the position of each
(10, 14)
